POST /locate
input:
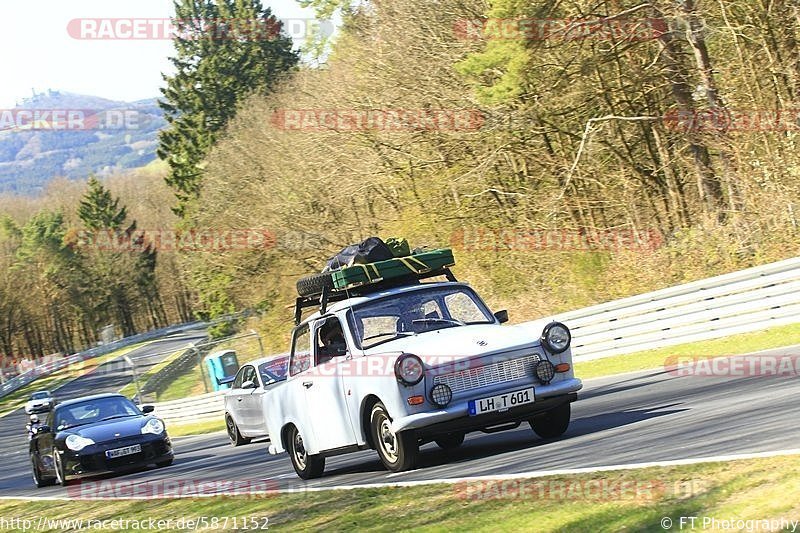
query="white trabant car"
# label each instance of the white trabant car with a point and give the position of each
(245, 418)
(395, 368)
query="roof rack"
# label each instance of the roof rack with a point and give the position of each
(329, 296)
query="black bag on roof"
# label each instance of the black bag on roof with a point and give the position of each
(370, 250)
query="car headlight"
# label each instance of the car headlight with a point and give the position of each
(76, 443)
(408, 369)
(154, 426)
(556, 337)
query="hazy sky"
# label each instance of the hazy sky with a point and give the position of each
(36, 52)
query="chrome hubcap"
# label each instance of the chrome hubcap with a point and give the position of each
(388, 439)
(299, 451)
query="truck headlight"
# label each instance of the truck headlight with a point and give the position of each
(76, 443)
(154, 426)
(408, 369)
(556, 337)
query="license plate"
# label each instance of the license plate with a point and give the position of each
(501, 402)
(120, 452)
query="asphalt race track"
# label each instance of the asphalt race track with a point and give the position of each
(634, 418)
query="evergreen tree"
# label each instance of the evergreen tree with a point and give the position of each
(99, 210)
(226, 50)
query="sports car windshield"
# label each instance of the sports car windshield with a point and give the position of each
(39, 396)
(415, 312)
(91, 411)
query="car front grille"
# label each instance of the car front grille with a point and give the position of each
(491, 374)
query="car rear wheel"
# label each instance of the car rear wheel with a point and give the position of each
(233, 433)
(307, 466)
(398, 451)
(450, 441)
(38, 480)
(553, 423)
(61, 478)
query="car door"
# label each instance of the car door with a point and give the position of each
(324, 392)
(255, 403)
(250, 399)
(234, 399)
(42, 445)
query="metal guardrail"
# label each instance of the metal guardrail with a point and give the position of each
(209, 406)
(740, 302)
(25, 378)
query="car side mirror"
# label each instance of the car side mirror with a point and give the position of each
(501, 316)
(148, 408)
(43, 429)
(249, 384)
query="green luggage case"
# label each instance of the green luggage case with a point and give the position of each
(425, 262)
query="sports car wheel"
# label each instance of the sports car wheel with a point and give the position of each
(398, 451)
(307, 466)
(37, 475)
(61, 478)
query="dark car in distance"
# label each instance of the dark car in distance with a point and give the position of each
(96, 435)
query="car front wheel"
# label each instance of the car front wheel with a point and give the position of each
(398, 451)
(61, 478)
(307, 466)
(553, 423)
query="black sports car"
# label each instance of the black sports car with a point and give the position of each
(97, 435)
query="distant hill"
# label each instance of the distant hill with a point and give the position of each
(115, 136)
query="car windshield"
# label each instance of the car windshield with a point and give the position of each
(273, 371)
(415, 312)
(40, 395)
(96, 410)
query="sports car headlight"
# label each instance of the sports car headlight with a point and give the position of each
(76, 443)
(556, 337)
(408, 369)
(154, 426)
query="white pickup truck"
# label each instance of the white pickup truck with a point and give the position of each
(394, 368)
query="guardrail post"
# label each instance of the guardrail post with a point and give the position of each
(202, 370)
(260, 344)
(135, 377)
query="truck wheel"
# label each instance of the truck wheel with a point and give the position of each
(313, 285)
(553, 423)
(450, 441)
(398, 451)
(307, 466)
(233, 433)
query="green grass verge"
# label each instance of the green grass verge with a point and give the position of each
(17, 399)
(740, 490)
(190, 383)
(130, 389)
(195, 428)
(733, 345)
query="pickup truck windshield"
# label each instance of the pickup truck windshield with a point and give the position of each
(389, 318)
